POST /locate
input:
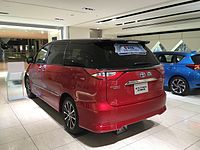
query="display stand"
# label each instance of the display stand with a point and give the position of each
(14, 80)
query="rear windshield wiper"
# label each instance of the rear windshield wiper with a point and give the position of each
(142, 63)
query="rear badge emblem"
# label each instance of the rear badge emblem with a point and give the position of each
(142, 75)
(149, 74)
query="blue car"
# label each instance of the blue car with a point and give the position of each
(182, 71)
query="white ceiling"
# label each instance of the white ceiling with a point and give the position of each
(44, 12)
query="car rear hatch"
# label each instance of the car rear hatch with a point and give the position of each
(135, 86)
(131, 71)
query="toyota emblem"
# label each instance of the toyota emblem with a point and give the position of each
(142, 75)
(149, 74)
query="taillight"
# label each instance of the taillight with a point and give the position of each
(99, 75)
(194, 66)
(109, 75)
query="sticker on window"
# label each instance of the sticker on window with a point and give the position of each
(129, 49)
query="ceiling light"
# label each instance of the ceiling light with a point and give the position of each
(88, 9)
(119, 24)
(3, 13)
(59, 19)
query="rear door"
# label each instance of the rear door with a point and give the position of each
(135, 86)
(141, 78)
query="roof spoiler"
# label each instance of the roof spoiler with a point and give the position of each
(138, 41)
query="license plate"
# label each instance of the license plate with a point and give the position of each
(141, 88)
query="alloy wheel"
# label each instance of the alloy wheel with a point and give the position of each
(178, 86)
(69, 115)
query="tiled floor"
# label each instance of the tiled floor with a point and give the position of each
(33, 125)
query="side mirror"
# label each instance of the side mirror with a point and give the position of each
(30, 60)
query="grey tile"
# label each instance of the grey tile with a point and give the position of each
(52, 139)
(12, 134)
(23, 144)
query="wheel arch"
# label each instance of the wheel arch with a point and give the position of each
(62, 98)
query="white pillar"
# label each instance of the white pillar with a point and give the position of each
(65, 33)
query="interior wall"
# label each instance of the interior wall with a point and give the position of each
(54, 35)
(79, 33)
(169, 40)
(106, 35)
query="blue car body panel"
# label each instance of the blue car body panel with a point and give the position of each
(180, 69)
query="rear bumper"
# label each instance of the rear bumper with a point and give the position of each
(194, 80)
(106, 118)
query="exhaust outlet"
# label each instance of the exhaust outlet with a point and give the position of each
(122, 130)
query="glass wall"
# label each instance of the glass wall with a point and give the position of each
(19, 49)
(18, 42)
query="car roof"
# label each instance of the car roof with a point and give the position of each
(102, 40)
(177, 53)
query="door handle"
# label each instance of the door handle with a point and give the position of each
(82, 78)
(42, 68)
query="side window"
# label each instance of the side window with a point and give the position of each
(170, 58)
(41, 56)
(78, 55)
(176, 58)
(56, 54)
(162, 59)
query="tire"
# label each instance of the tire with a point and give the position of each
(70, 116)
(28, 88)
(179, 86)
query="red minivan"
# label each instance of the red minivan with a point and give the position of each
(99, 85)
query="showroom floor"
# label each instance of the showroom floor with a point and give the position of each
(32, 125)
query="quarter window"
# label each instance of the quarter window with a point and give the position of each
(179, 58)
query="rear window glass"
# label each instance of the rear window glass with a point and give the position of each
(129, 49)
(196, 59)
(109, 55)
